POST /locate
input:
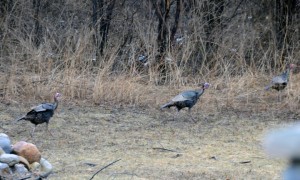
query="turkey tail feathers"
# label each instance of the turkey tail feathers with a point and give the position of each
(168, 105)
(19, 119)
(268, 87)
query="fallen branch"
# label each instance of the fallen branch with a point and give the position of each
(164, 149)
(90, 164)
(245, 162)
(104, 168)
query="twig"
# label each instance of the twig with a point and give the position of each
(90, 164)
(104, 168)
(245, 162)
(234, 12)
(164, 149)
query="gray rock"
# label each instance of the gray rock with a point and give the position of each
(5, 143)
(46, 168)
(10, 159)
(20, 169)
(4, 170)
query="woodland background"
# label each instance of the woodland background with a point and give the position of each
(93, 49)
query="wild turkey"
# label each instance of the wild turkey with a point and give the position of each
(42, 113)
(280, 82)
(186, 99)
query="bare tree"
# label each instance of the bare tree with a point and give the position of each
(212, 12)
(283, 25)
(5, 7)
(162, 11)
(37, 29)
(102, 12)
(177, 18)
(166, 32)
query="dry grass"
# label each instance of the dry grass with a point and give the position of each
(240, 93)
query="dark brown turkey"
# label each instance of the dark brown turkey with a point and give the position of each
(41, 113)
(280, 82)
(186, 99)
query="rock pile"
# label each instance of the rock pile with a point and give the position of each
(21, 160)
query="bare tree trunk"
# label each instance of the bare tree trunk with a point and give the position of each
(284, 11)
(37, 29)
(177, 18)
(94, 26)
(162, 11)
(130, 20)
(5, 10)
(101, 10)
(212, 20)
(105, 23)
(94, 15)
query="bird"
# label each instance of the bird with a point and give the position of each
(42, 113)
(280, 82)
(186, 99)
(143, 59)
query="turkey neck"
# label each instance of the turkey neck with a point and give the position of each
(200, 91)
(288, 74)
(55, 104)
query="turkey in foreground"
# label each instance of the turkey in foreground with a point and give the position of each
(42, 113)
(281, 81)
(186, 99)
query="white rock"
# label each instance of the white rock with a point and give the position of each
(34, 166)
(10, 159)
(46, 168)
(2, 151)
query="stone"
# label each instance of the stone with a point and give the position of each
(2, 151)
(34, 166)
(5, 143)
(20, 169)
(46, 168)
(4, 170)
(10, 159)
(28, 151)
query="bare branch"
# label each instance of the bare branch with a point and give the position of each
(104, 168)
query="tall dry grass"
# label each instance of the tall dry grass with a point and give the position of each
(65, 62)
(239, 93)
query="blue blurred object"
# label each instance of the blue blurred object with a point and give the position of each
(285, 143)
(5, 143)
